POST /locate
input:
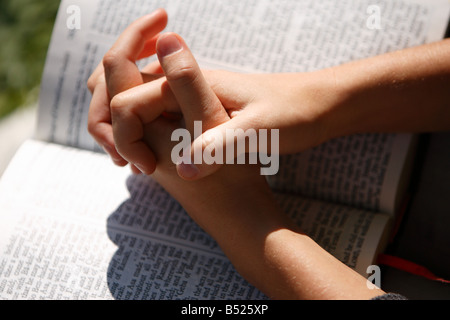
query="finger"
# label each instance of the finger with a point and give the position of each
(94, 78)
(197, 100)
(194, 95)
(99, 123)
(148, 77)
(147, 101)
(131, 110)
(153, 68)
(99, 117)
(233, 142)
(158, 136)
(211, 150)
(149, 48)
(130, 144)
(119, 62)
(134, 169)
(152, 71)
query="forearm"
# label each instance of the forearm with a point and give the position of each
(266, 248)
(281, 261)
(309, 272)
(404, 91)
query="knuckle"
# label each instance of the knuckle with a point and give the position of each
(91, 84)
(94, 129)
(215, 77)
(117, 103)
(166, 91)
(168, 98)
(91, 127)
(110, 59)
(183, 76)
(120, 148)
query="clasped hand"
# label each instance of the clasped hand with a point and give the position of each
(134, 112)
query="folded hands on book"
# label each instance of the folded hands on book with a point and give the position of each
(133, 120)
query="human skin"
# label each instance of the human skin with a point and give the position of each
(403, 91)
(129, 118)
(235, 205)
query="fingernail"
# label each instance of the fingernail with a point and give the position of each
(187, 171)
(168, 44)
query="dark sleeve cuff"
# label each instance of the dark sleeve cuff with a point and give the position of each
(390, 296)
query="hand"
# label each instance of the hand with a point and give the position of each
(224, 204)
(140, 123)
(118, 72)
(294, 104)
(234, 205)
(251, 101)
(218, 201)
(307, 108)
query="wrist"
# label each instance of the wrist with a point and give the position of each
(340, 92)
(225, 203)
(331, 94)
(314, 98)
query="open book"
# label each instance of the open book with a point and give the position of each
(75, 226)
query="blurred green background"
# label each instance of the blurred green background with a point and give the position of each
(25, 30)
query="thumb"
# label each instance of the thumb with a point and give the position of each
(233, 142)
(198, 102)
(215, 147)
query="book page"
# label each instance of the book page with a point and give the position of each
(127, 238)
(90, 230)
(254, 36)
(353, 236)
(304, 35)
(363, 171)
(238, 35)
